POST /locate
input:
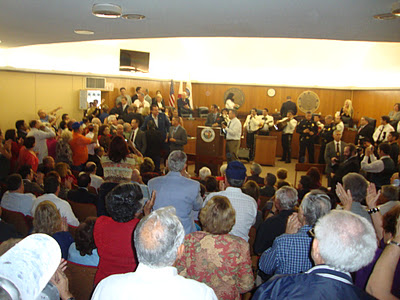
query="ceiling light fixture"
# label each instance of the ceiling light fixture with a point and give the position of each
(106, 10)
(133, 17)
(385, 17)
(83, 31)
(396, 9)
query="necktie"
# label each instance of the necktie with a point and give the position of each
(379, 136)
(337, 148)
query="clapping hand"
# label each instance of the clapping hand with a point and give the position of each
(345, 197)
(372, 196)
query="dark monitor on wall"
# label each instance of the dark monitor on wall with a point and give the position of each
(134, 61)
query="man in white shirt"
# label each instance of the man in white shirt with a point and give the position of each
(52, 189)
(267, 121)
(381, 169)
(41, 133)
(251, 125)
(287, 134)
(233, 132)
(123, 94)
(15, 199)
(158, 240)
(91, 169)
(140, 103)
(244, 205)
(381, 133)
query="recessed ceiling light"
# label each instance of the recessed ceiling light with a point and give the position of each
(387, 16)
(106, 10)
(83, 31)
(133, 17)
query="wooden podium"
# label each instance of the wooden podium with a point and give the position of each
(210, 149)
(265, 150)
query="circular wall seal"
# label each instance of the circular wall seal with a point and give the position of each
(308, 101)
(236, 94)
(207, 135)
(271, 92)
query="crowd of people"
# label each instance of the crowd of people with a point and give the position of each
(166, 234)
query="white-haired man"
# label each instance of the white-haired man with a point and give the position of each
(175, 190)
(204, 172)
(284, 202)
(289, 253)
(158, 240)
(343, 243)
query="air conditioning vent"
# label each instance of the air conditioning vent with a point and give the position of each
(96, 83)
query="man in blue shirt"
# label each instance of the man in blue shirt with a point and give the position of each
(289, 253)
(343, 243)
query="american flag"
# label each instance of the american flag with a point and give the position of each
(171, 94)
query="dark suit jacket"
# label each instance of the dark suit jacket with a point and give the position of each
(286, 106)
(181, 138)
(210, 119)
(181, 108)
(330, 152)
(81, 195)
(140, 141)
(163, 124)
(154, 101)
(366, 132)
(128, 117)
(394, 152)
(154, 143)
(348, 166)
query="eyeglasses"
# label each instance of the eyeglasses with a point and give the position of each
(311, 233)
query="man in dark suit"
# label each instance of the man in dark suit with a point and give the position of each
(394, 146)
(212, 116)
(82, 195)
(177, 136)
(334, 152)
(184, 105)
(98, 153)
(138, 137)
(288, 105)
(366, 130)
(160, 119)
(351, 164)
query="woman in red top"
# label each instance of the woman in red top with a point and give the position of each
(15, 147)
(27, 156)
(113, 235)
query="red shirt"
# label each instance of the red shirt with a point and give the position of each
(79, 148)
(27, 158)
(114, 246)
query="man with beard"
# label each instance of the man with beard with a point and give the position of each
(349, 165)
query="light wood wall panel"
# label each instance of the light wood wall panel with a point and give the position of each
(256, 96)
(374, 104)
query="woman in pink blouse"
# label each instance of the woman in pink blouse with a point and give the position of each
(215, 257)
(27, 156)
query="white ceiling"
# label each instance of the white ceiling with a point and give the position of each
(29, 22)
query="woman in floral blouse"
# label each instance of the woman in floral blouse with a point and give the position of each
(215, 257)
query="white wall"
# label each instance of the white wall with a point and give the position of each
(271, 61)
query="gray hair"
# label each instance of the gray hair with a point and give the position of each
(315, 205)
(287, 197)
(204, 172)
(111, 118)
(127, 126)
(390, 192)
(346, 241)
(157, 238)
(256, 168)
(96, 121)
(357, 185)
(176, 161)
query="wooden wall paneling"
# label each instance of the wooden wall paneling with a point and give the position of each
(374, 104)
